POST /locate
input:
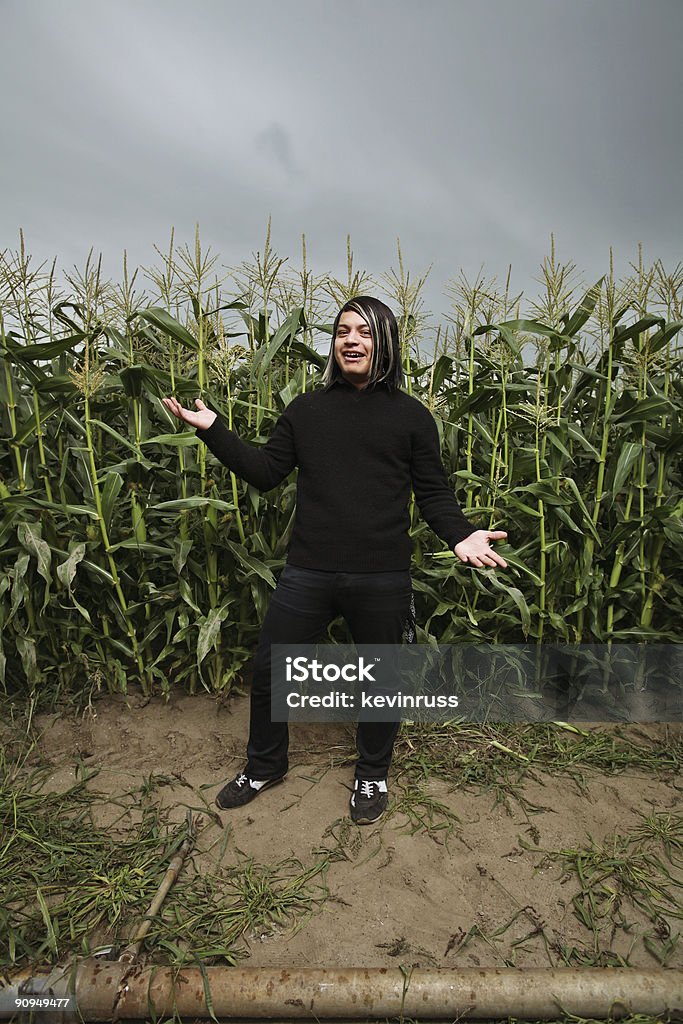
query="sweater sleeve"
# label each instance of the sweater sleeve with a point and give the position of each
(434, 496)
(263, 466)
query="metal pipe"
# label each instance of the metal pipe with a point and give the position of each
(109, 991)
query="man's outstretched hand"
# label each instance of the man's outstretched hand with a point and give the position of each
(476, 550)
(201, 420)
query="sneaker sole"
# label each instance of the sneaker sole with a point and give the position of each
(266, 785)
(367, 821)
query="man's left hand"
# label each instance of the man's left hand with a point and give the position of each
(476, 550)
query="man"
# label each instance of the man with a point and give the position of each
(360, 444)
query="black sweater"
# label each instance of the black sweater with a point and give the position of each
(358, 453)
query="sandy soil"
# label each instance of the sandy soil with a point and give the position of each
(396, 897)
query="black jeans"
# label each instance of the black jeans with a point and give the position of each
(376, 606)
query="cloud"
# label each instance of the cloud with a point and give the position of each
(470, 130)
(274, 143)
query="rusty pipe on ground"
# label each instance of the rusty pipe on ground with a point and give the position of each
(101, 991)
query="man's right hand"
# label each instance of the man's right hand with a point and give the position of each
(200, 420)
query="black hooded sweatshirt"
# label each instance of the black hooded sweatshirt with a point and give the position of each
(359, 453)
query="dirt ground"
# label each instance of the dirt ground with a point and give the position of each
(396, 897)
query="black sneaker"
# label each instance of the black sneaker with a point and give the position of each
(241, 790)
(368, 800)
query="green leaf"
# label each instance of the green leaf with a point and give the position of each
(112, 485)
(302, 349)
(158, 316)
(29, 537)
(47, 350)
(642, 410)
(250, 563)
(442, 369)
(182, 550)
(136, 378)
(49, 926)
(288, 392)
(66, 572)
(209, 632)
(285, 333)
(661, 337)
(585, 308)
(254, 495)
(507, 499)
(627, 457)
(516, 595)
(59, 384)
(323, 328)
(577, 435)
(98, 571)
(543, 490)
(20, 591)
(481, 399)
(183, 439)
(142, 545)
(464, 474)
(571, 484)
(517, 563)
(555, 441)
(564, 516)
(29, 427)
(131, 378)
(526, 326)
(186, 594)
(639, 327)
(197, 502)
(77, 510)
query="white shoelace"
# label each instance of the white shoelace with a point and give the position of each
(254, 783)
(366, 785)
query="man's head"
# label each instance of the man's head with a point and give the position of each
(365, 346)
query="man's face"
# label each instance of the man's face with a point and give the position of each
(353, 348)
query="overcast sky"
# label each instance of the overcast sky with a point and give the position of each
(469, 128)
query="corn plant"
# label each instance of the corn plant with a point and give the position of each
(131, 556)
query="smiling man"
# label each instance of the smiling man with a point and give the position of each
(361, 444)
(353, 348)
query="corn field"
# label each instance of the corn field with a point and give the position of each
(130, 556)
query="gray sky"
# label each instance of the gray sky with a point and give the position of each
(469, 128)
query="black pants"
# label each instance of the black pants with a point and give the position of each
(377, 608)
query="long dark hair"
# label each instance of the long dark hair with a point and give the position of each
(385, 366)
